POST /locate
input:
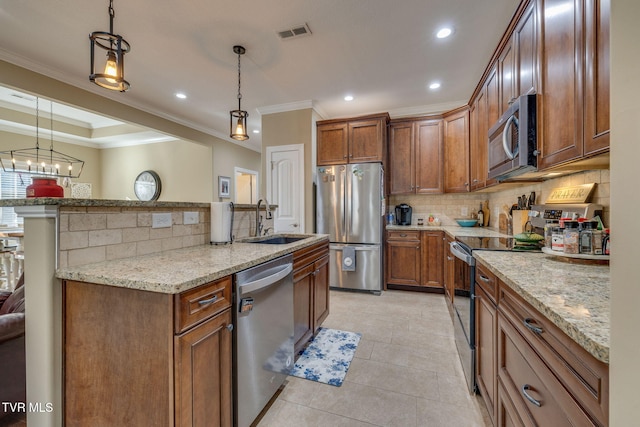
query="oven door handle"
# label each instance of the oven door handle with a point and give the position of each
(460, 253)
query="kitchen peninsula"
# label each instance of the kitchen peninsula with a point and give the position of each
(64, 236)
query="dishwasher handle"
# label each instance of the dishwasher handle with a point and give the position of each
(265, 282)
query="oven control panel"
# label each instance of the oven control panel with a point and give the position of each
(552, 214)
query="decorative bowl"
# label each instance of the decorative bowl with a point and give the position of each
(466, 222)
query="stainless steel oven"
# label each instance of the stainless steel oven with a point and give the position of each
(463, 308)
(463, 312)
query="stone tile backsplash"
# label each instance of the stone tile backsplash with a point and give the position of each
(450, 206)
(95, 234)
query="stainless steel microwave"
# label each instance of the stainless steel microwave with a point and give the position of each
(513, 140)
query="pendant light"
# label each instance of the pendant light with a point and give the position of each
(112, 75)
(40, 161)
(238, 119)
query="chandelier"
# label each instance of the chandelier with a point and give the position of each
(41, 161)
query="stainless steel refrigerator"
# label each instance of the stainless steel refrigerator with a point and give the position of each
(350, 209)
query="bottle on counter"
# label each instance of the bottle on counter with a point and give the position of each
(487, 214)
(548, 233)
(557, 239)
(606, 243)
(480, 216)
(586, 237)
(571, 237)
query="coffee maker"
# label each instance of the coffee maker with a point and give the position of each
(403, 214)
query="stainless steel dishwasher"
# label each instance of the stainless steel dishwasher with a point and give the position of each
(263, 339)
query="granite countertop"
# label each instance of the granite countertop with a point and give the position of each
(61, 201)
(178, 270)
(574, 297)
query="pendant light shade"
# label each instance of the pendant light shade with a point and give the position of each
(113, 47)
(238, 118)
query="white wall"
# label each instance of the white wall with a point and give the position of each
(625, 158)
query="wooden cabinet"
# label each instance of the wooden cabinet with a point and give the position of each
(486, 338)
(561, 122)
(358, 140)
(403, 258)
(575, 80)
(431, 243)
(448, 268)
(525, 45)
(203, 374)
(506, 67)
(543, 376)
(479, 141)
(596, 102)
(415, 157)
(157, 359)
(414, 258)
(456, 151)
(310, 291)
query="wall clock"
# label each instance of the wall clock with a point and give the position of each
(147, 186)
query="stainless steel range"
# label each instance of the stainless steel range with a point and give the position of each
(463, 309)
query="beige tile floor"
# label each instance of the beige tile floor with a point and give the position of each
(406, 371)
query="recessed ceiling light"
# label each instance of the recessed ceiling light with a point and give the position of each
(444, 32)
(256, 131)
(348, 98)
(435, 85)
(181, 95)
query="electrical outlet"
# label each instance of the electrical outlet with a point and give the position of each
(161, 220)
(464, 211)
(190, 218)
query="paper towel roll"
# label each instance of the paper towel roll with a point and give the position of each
(221, 216)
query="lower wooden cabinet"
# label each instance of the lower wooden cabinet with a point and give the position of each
(135, 357)
(529, 372)
(486, 348)
(414, 259)
(310, 292)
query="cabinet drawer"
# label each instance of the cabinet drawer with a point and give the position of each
(534, 390)
(198, 304)
(403, 235)
(487, 280)
(586, 377)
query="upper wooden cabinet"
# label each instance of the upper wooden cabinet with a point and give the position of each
(358, 140)
(415, 157)
(596, 102)
(525, 44)
(479, 141)
(574, 56)
(456, 151)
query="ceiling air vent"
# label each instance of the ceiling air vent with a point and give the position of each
(298, 31)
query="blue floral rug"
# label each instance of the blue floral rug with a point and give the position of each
(327, 357)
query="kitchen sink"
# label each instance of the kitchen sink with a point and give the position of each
(278, 240)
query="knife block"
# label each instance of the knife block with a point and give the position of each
(520, 218)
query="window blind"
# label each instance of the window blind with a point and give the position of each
(12, 186)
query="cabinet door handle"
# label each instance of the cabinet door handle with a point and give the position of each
(208, 301)
(403, 235)
(484, 278)
(449, 258)
(230, 327)
(535, 329)
(528, 396)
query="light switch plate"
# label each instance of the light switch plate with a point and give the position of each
(190, 218)
(161, 220)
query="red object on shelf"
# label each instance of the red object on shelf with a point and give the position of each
(45, 187)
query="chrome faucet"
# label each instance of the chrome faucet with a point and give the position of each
(269, 215)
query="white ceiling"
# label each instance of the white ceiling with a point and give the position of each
(382, 52)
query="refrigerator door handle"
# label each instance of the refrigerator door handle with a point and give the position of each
(343, 180)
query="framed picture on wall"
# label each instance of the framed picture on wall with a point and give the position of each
(224, 186)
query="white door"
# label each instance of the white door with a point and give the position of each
(285, 187)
